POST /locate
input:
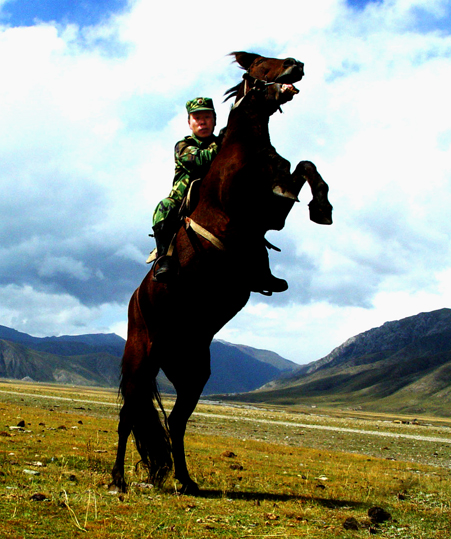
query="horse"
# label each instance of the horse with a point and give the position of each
(248, 190)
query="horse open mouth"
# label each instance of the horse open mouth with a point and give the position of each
(293, 73)
(289, 89)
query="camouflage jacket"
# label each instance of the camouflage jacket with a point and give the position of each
(193, 157)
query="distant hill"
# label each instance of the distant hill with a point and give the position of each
(18, 361)
(68, 345)
(266, 356)
(402, 366)
(94, 359)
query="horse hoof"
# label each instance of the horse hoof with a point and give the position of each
(116, 486)
(320, 214)
(190, 489)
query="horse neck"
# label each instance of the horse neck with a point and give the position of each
(247, 114)
(248, 122)
(246, 137)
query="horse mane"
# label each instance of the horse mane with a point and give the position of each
(232, 92)
(244, 60)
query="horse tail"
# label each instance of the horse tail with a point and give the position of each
(151, 434)
(142, 401)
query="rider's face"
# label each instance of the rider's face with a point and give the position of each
(202, 123)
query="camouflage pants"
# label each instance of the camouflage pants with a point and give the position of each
(171, 204)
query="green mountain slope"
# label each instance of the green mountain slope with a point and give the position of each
(402, 366)
(17, 361)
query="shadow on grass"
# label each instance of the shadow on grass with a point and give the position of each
(277, 497)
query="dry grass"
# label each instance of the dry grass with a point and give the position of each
(258, 479)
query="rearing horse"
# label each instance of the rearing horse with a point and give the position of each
(248, 191)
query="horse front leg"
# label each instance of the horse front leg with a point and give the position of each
(320, 207)
(285, 187)
(287, 194)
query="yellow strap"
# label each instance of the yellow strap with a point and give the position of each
(152, 257)
(201, 231)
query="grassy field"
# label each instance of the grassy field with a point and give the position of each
(264, 473)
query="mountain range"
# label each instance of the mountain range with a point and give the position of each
(94, 359)
(402, 366)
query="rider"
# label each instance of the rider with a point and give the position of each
(193, 157)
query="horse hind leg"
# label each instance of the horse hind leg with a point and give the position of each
(139, 413)
(124, 430)
(189, 386)
(178, 419)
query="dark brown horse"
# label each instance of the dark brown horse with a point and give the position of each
(248, 191)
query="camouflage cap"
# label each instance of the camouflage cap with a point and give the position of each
(199, 103)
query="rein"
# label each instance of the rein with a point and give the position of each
(257, 84)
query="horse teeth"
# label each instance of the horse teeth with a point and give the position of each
(289, 88)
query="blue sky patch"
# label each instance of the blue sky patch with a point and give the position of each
(147, 112)
(361, 4)
(83, 13)
(428, 22)
(346, 68)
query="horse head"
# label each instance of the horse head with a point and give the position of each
(264, 70)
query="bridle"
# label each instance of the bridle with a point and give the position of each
(258, 84)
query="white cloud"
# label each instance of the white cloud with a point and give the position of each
(54, 265)
(90, 116)
(45, 314)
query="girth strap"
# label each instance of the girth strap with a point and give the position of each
(201, 231)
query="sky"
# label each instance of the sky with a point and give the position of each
(92, 101)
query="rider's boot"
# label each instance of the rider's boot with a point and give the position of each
(165, 266)
(263, 281)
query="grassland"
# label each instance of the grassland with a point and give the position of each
(279, 472)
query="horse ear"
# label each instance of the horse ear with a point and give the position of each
(245, 59)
